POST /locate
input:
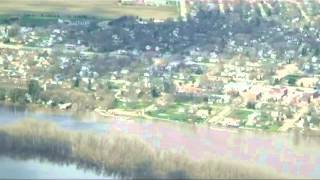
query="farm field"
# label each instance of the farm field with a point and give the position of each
(102, 8)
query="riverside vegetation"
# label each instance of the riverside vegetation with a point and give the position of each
(120, 155)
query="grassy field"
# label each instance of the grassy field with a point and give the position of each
(103, 8)
(241, 114)
(171, 112)
(131, 105)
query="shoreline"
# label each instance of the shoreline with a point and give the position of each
(117, 113)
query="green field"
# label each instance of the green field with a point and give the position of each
(241, 114)
(170, 112)
(102, 8)
(131, 105)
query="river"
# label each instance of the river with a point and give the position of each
(290, 153)
(35, 169)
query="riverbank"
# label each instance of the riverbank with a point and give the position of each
(127, 156)
(36, 108)
(120, 114)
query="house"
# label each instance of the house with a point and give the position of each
(188, 89)
(278, 116)
(232, 122)
(252, 94)
(221, 99)
(70, 46)
(292, 99)
(124, 71)
(308, 82)
(307, 98)
(276, 93)
(298, 98)
(202, 113)
(219, 79)
(77, 22)
(236, 87)
(300, 123)
(286, 70)
(317, 101)
(65, 106)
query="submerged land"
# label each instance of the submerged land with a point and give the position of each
(121, 155)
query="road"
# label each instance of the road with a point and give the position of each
(127, 113)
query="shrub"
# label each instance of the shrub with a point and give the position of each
(18, 96)
(3, 93)
(34, 89)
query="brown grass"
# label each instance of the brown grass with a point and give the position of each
(114, 153)
(104, 8)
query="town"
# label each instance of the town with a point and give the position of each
(246, 66)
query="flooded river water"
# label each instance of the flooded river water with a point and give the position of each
(35, 169)
(290, 153)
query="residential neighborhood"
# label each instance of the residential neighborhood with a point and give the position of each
(219, 74)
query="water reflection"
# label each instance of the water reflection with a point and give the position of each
(11, 168)
(296, 137)
(67, 120)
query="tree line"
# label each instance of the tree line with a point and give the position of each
(22, 95)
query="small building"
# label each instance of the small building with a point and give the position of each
(307, 82)
(236, 87)
(276, 94)
(232, 122)
(188, 89)
(220, 99)
(252, 94)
